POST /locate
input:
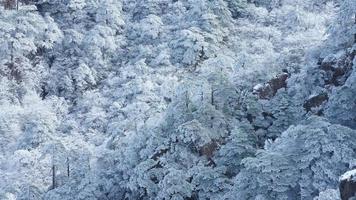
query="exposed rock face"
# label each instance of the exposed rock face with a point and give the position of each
(208, 149)
(269, 89)
(315, 101)
(347, 185)
(337, 70)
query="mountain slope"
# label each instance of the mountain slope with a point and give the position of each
(184, 99)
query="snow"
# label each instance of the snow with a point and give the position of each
(257, 87)
(154, 99)
(348, 175)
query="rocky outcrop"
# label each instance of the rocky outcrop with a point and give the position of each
(315, 101)
(337, 68)
(347, 185)
(269, 89)
(9, 4)
(208, 149)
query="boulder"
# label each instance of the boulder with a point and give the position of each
(347, 185)
(315, 101)
(269, 89)
(337, 69)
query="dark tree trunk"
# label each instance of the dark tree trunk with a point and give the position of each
(68, 171)
(53, 176)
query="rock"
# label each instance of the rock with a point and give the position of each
(337, 70)
(347, 185)
(315, 101)
(270, 89)
(208, 149)
(9, 4)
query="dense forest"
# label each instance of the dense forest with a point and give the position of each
(177, 99)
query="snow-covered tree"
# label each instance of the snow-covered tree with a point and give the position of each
(305, 160)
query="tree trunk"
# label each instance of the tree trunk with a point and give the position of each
(53, 176)
(68, 167)
(355, 25)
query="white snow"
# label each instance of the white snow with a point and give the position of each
(348, 175)
(257, 87)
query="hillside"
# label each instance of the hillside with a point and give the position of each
(177, 99)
